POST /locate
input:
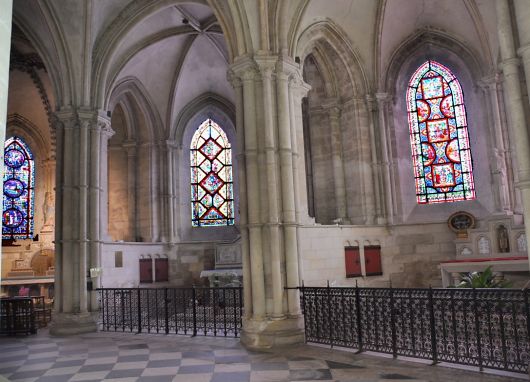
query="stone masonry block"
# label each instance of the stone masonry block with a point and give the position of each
(415, 239)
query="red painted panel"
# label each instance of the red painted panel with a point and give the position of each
(146, 270)
(161, 269)
(353, 262)
(372, 260)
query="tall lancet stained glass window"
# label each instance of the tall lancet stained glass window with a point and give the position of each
(212, 191)
(439, 137)
(19, 184)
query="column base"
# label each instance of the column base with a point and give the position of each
(270, 333)
(65, 324)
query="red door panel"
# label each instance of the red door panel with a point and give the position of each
(161, 270)
(146, 270)
(353, 262)
(372, 260)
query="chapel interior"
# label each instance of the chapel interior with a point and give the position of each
(263, 144)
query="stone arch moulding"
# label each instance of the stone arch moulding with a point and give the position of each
(18, 125)
(210, 104)
(57, 62)
(425, 44)
(328, 32)
(108, 41)
(132, 87)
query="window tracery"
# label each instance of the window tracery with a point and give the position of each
(439, 136)
(212, 195)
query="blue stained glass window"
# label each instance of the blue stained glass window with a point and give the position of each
(19, 186)
(212, 195)
(441, 153)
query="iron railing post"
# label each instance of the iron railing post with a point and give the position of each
(527, 308)
(358, 316)
(330, 324)
(393, 323)
(166, 308)
(304, 310)
(239, 319)
(477, 329)
(139, 296)
(102, 307)
(434, 345)
(194, 311)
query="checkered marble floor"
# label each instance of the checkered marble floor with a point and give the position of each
(160, 358)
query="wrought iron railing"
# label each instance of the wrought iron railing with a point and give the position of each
(192, 311)
(487, 328)
(17, 316)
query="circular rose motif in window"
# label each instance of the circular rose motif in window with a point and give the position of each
(13, 188)
(14, 158)
(12, 218)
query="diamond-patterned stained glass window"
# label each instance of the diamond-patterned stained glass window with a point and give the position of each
(439, 139)
(19, 184)
(212, 192)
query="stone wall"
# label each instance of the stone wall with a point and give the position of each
(410, 254)
(186, 261)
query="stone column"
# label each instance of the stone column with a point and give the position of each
(271, 163)
(270, 207)
(337, 163)
(383, 101)
(500, 164)
(6, 10)
(286, 69)
(253, 193)
(293, 264)
(366, 168)
(514, 102)
(78, 233)
(106, 133)
(132, 168)
(243, 206)
(522, 15)
(97, 203)
(375, 160)
(171, 149)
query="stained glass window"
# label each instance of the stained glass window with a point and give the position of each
(212, 195)
(19, 183)
(438, 136)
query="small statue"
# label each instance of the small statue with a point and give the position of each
(502, 237)
(49, 209)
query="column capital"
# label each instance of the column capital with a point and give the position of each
(371, 102)
(383, 97)
(244, 68)
(287, 65)
(524, 52)
(510, 64)
(491, 81)
(266, 64)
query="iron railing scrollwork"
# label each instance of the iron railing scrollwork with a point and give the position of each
(192, 311)
(487, 328)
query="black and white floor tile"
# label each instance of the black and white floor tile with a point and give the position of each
(172, 358)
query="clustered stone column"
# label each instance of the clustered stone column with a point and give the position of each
(5, 45)
(79, 193)
(512, 85)
(337, 162)
(491, 87)
(267, 131)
